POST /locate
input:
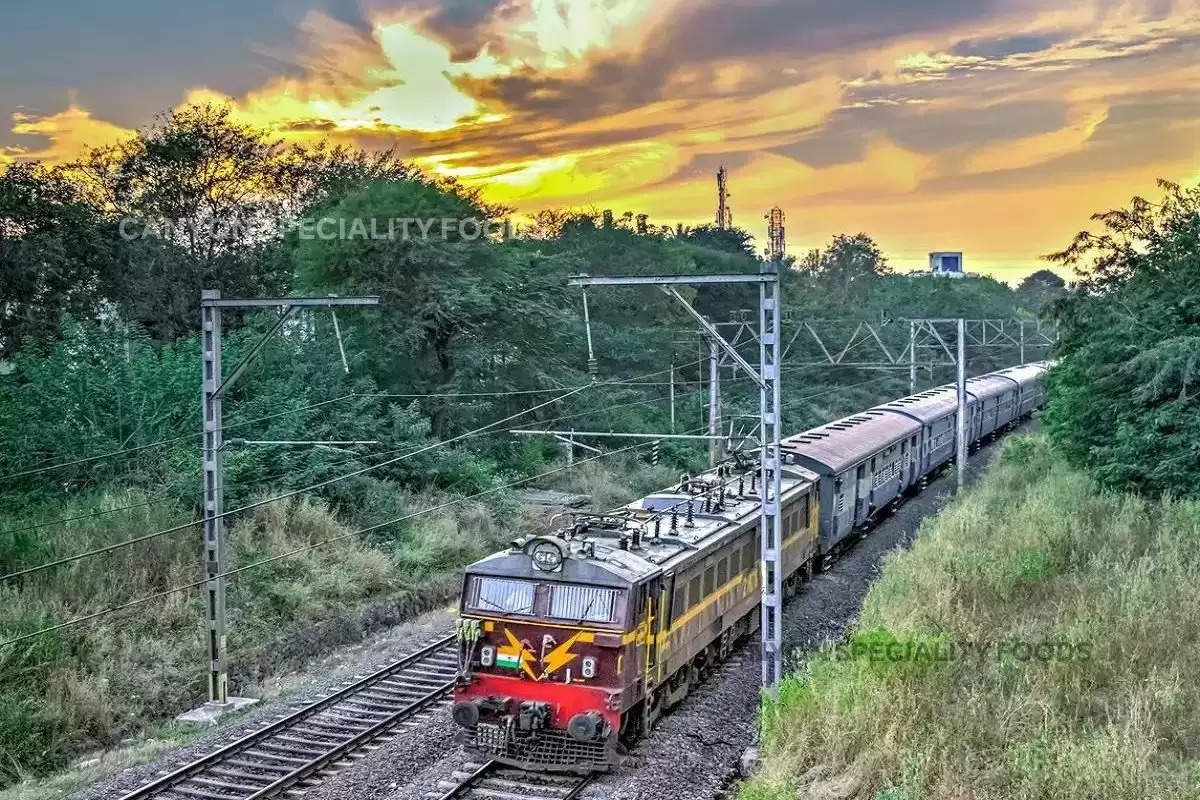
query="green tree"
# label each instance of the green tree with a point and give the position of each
(1123, 396)
(199, 201)
(729, 240)
(846, 271)
(1040, 289)
(458, 313)
(53, 254)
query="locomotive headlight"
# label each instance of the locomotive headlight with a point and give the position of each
(487, 655)
(589, 667)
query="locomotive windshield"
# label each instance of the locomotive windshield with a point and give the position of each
(582, 603)
(500, 594)
(574, 603)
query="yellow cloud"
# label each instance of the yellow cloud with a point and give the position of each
(1033, 150)
(70, 133)
(399, 79)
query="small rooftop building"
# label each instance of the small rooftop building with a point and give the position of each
(947, 262)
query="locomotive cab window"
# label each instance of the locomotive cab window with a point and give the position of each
(582, 603)
(501, 594)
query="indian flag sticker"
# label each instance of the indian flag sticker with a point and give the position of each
(508, 658)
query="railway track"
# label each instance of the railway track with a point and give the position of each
(292, 753)
(494, 781)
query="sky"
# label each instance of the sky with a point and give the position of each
(994, 127)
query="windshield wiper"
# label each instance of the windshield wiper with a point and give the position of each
(501, 608)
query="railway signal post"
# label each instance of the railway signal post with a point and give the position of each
(767, 377)
(215, 558)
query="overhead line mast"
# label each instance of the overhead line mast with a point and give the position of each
(214, 385)
(767, 378)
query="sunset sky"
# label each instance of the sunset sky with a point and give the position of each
(989, 126)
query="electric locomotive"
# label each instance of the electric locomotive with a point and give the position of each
(573, 641)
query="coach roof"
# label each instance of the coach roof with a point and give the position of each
(847, 441)
(927, 406)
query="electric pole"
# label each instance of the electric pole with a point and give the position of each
(770, 426)
(912, 357)
(714, 403)
(961, 456)
(215, 563)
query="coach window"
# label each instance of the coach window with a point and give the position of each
(735, 562)
(708, 580)
(679, 603)
(694, 591)
(787, 526)
(748, 556)
(807, 510)
(722, 571)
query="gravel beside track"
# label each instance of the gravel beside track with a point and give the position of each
(282, 696)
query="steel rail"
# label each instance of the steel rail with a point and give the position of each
(310, 764)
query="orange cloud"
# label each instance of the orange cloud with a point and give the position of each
(992, 127)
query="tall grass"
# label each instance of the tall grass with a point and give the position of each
(91, 685)
(1034, 554)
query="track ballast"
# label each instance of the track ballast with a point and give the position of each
(293, 752)
(492, 780)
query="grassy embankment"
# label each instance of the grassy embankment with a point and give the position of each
(1033, 554)
(92, 685)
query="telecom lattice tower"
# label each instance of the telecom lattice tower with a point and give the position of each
(724, 212)
(775, 235)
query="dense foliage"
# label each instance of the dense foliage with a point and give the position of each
(1124, 395)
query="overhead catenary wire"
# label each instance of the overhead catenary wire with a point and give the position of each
(306, 548)
(312, 487)
(285, 495)
(125, 451)
(151, 501)
(80, 517)
(171, 440)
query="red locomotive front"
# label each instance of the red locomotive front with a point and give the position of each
(549, 654)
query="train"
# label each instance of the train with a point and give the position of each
(572, 643)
